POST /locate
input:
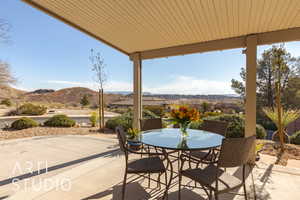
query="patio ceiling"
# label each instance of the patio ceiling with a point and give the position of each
(159, 28)
(145, 29)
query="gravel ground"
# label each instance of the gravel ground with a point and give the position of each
(270, 148)
(45, 131)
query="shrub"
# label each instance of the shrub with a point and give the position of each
(196, 124)
(158, 110)
(211, 114)
(205, 106)
(24, 123)
(123, 121)
(147, 114)
(126, 119)
(267, 124)
(295, 138)
(260, 132)
(94, 118)
(31, 109)
(236, 124)
(6, 102)
(60, 121)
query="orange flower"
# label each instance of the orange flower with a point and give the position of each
(185, 114)
(183, 109)
(182, 115)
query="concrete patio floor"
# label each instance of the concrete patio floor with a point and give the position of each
(101, 177)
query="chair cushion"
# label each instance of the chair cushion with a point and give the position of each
(207, 177)
(146, 165)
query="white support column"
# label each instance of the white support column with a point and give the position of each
(250, 107)
(137, 90)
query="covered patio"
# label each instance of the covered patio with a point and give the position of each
(157, 29)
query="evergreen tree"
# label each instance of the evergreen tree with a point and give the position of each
(85, 100)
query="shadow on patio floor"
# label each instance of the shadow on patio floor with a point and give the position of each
(135, 191)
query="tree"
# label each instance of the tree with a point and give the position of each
(98, 67)
(4, 30)
(291, 96)
(5, 75)
(238, 86)
(277, 71)
(205, 107)
(94, 118)
(85, 100)
(267, 75)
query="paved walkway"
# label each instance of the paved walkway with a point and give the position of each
(100, 178)
(27, 161)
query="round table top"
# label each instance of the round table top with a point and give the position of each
(171, 138)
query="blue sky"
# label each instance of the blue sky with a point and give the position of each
(46, 53)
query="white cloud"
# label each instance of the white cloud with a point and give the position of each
(192, 85)
(118, 86)
(180, 85)
(18, 87)
(66, 82)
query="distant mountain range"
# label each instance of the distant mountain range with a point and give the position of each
(197, 96)
(179, 96)
(69, 96)
(73, 95)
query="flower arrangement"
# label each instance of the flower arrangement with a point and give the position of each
(183, 116)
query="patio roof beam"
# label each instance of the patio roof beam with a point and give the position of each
(223, 44)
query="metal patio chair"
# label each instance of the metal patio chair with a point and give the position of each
(149, 124)
(148, 165)
(209, 156)
(234, 152)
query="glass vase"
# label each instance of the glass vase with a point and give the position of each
(183, 129)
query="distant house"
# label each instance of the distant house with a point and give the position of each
(147, 101)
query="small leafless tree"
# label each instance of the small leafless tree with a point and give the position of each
(4, 31)
(98, 67)
(5, 75)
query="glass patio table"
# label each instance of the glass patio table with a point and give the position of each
(171, 139)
